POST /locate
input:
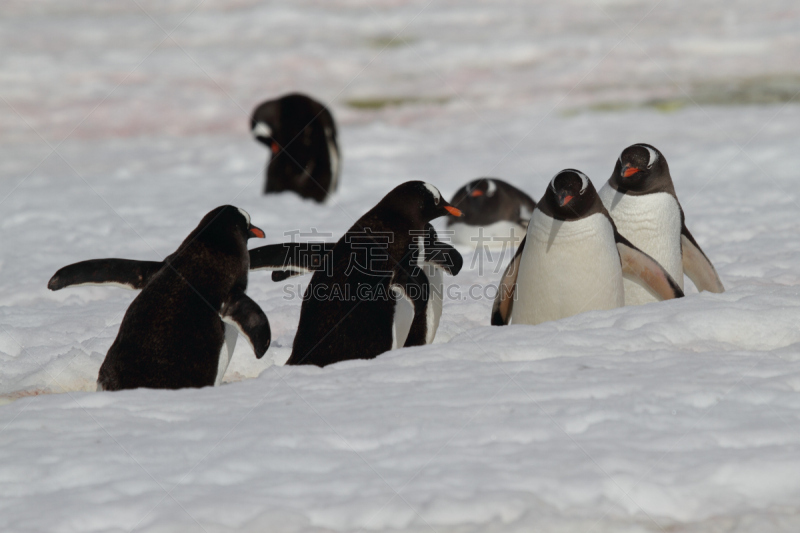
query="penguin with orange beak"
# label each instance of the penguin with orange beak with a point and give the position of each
(181, 329)
(300, 134)
(350, 307)
(494, 212)
(641, 199)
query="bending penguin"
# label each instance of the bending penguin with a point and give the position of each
(640, 197)
(494, 211)
(348, 310)
(181, 329)
(418, 307)
(301, 137)
(572, 259)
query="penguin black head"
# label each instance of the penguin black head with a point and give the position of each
(641, 168)
(570, 195)
(276, 123)
(476, 196)
(418, 201)
(481, 188)
(225, 224)
(265, 117)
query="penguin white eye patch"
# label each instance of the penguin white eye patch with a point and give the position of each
(653, 155)
(245, 214)
(437, 196)
(261, 130)
(584, 180)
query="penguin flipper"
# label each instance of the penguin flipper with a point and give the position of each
(697, 266)
(247, 317)
(639, 265)
(125, 273)
(504, 301)
(440, 254)
(291, 258)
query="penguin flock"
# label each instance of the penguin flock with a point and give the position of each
(380, 286)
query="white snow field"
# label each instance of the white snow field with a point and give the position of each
(123, 123)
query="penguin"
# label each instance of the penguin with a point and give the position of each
(494, 211)
(572, 259)
(418, 292)
(174, 334)
(641, 199)
(349, 306)
(301, 136)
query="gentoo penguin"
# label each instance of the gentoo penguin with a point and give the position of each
(418, 307)
(174, 333)
(640, 198)
(572, 259)
(301, 136)
(494, 211)
(348, 309)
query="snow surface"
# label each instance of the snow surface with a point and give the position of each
(117, 139)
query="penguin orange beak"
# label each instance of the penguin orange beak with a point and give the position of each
(476, 193)
(256, 232)
(566, 200)
(630, 171)
(454, 211)
(275, 148)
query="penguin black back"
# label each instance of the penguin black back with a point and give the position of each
(172, 333)
(348, 312)
(301, 136)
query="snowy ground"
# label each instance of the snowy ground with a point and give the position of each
(116, 139)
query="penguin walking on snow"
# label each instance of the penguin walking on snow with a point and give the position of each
(641, 199)
(174, 334)
(494, 211)
(349, 307)
(419, 306)
(572, 259)
(301, 136)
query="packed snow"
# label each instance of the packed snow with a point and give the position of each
(122, 124)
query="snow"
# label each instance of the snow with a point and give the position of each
(675, 416)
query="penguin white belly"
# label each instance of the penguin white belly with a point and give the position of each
(494, 235)
(566, 268)
(333, 155)
(652, 222)
(434, 310)
(226, 352)
(403, 315)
